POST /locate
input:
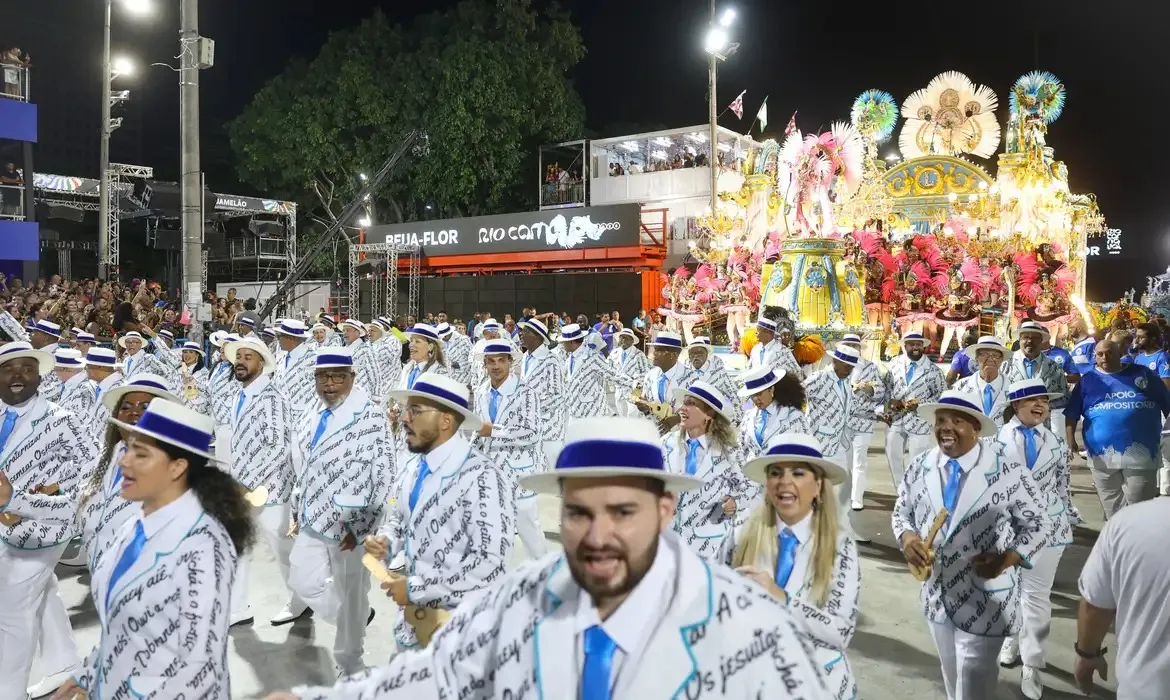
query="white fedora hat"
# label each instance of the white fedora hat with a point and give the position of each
(913, 336)
(17, 350)
(987, 342)
(256, 345)
(423, 330)
(850, 339)
(329, 357)
(444, 329)
(292, 328)
(607, 447)
(766, 323)
(101, 357)
(759, 379)
(845, 353)
(68, 358)
(700, 341)
(144, 383)
(175, 424)
(48, 328)
(496, 347)
(217, 338)
(1032, 327)
(1029, 388)
(193, 347)
(629, 333)
(792, 447)
(491, 324)
(668, 340)
(445, 391)
(537, 327)
(356, 325)
(84, 337)
(132, 335)
(166, 334)
(955, 400)
(709, 395)
(571, 332)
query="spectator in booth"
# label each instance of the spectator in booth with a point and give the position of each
(10, 190)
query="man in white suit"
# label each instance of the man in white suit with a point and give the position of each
(1030, 362)
(913, 380)
(829, 393)
(629, 360)
(294, 368)
(868, 392)
(705, 366)
(996, 520)
(987, 383)
(587, 374)
(543, 372)
(770, 352)
(457, 351)
(627, 611)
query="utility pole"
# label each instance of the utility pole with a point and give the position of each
(714, 117)
(192, 195)
(104, 176)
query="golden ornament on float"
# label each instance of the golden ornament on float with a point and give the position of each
(815, 283)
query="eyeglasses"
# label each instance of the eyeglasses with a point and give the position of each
(415, 410)
(332, 377)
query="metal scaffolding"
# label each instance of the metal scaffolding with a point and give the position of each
(384, 289)
(114, 187)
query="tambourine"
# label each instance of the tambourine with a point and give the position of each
(257, 498)
(923, 572)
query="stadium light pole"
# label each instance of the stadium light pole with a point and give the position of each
(718, 47)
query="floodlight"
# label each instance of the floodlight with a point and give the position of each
(716, 40)
(138, 7)
(122, 66)
(727, 17)
(364, 221)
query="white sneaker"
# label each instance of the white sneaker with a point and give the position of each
(289, 614)
(857, 505)
(241, 618)
(1030, 683)
(1009, 653)
(49, 684)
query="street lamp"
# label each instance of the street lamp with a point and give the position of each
(718, 47)
(110, 71)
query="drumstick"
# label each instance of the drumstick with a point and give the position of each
(923, 572)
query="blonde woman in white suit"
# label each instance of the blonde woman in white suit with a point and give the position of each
(1026, 439)
(705, 446)
(794, 546)
(163, 592)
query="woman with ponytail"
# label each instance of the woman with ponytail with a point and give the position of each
(163, 589)
(792, 545)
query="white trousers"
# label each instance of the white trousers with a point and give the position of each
(898, 442)
(858, 455)
(223, 446)
(58, 650)
(970, 663)
(337, 587)
(844, 490)
(1036, 605)
(528, 527)
(1164, 470)
(26, 585)
(272, 528)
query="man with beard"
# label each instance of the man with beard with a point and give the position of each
(996, 521)
(703, 365)
(43, 452)
(912, 380)
(545, 375)
(660, 385)
(261, 460)
(987, 383)
(452, 520)
(345, 462)
(631, 362)
(294, 368)
(627, 611)
(1029, 362)
(587, 374)
(1147, 341)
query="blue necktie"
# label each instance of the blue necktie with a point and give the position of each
(662, 388)
(786, 560)
(571, 359)
(692, 456)
(424, 470)
(910, 373)
(526, 360)
(6, 429)
(493, 405)
(117, 475)
(129, 556)
(320, 428)
(411, 379)
(1031, 450)
(760, 425)
(287, 357)
(1028, 365)
(129, 364)
(240, 404)
(951, 492)
(988, 399)
(623, 363)
(595, 677)
(98, 394)
(219, 370)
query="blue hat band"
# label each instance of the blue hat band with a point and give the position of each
(247, 322)
(1028, 392)
(913, 336)
(535, 326)
(795, 451)
(69, 361)
(415, 330)
(86, 337)
(193, 439)
(848, 359)
(611, 453)
(754, 384)
(146, 382)
(492, 327)
(45, 329)
(951, 401)
(766, 324)
(706, 396)
(573, 336)
(439, 392)
(334, 360)
(103, 360)
(497, 349)
(668, 343)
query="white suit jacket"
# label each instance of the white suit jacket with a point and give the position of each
(541, 371)
(77, 396)
(1044, 368)
(699, 518)
(50, 386)
(678, 377)
(828, 408)
(344, 480)
(103, 511)
(144, 363)
(224, 392)
(927, 385)
(862, 405)
(48, 445)
(458, 356)
(295, 377)
(201, 380)
(405, 460)
(776, 355)
(781, 419)
(262, 435)
(973, 385)
(520, 638)
(515, 440)
(165, 629)
(365, 366)
(96, 421)
(999, 508)
(631, 362)
(388, 351)
(1051, 472)
(715, 373)
(585, 383)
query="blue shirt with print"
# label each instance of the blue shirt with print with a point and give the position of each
(962, 364)
(1084, 355)
(1157, 362)
(1122, 414)
(1063, 359)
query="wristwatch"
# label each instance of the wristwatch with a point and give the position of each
(1089, 654)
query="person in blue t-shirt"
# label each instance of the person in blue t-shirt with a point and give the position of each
(1083, 351)
(1063, 359)
(962, 364)
(1122, 407)
(1148, 344)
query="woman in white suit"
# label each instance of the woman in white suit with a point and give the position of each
(164, 590)
(1026, 439)
(793, 545)
(777, 408)
(194, 379)
(704, 445)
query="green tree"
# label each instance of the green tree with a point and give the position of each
(487, 81)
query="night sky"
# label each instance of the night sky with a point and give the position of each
(645, 69)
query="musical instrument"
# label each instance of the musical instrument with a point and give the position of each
(424, 621)
(11, 519)
(257, 498)
(923, 572)
(660, 411)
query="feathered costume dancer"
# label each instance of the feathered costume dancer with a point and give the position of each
(815, 171)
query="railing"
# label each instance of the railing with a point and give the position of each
(14, 83)
(12, 202)
(562, 193)
(653, 227)
(257, 248)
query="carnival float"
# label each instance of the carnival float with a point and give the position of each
(829, 237)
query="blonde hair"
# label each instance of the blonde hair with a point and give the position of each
(719, 429)
(761, 534)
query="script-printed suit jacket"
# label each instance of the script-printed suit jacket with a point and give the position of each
(48, 445)
(999, 508)
(262, 442)
(458, 356)
(103, 510)
(365, 366)
(224, 392)
(723, 637)
(861, 404)
(164, 629)
(77, 396)
(715, 373)
(295, 376)
(343, 481)
(585, 384)
(515, 442)
(828, 408)
(544, 373)
(927, 385)
(699, 518)
(1052, 374)
(388, 352)
(144, 363)
(1051, 472)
